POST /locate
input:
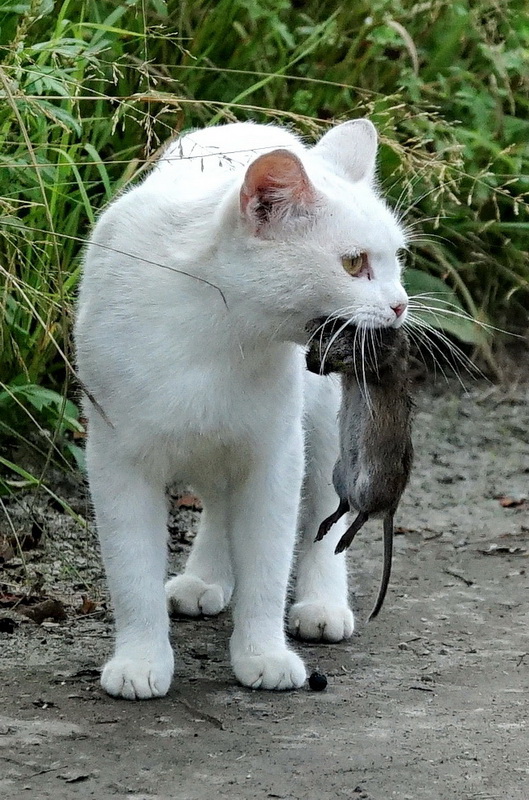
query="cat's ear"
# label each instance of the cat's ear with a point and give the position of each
(352, 147)
(276, 188)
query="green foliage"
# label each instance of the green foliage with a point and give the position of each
(56, 418)
(90, 88)
(435, 304)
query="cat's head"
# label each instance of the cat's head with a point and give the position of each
(315, 224)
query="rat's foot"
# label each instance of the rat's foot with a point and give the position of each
(137, 674)
(321, 622)
(189, 595)
(277, 669)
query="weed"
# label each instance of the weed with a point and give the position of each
(91, 88)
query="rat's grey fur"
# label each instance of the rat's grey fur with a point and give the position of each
(376, 449)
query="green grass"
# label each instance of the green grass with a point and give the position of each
(90, 89)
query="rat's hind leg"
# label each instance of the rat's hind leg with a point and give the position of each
(347, 539)
(320, 611)
(326, 525)
(206, 585)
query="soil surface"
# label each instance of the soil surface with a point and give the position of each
(428, 702)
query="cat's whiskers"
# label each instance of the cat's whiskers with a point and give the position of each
(408, 186)
(398, 208)
(439, 312)
(338, 314)
(427, 334)
(416, 302)
(414, 338)
(354, 358)
(415, 235)
(334, 337)
(367, 395)
(401, 217)
(373, 336)
(419, 338)
(421, 221)
(461, 358)
(426, 238)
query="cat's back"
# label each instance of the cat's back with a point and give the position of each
(178, 200)
(220, 151)
(180, 197)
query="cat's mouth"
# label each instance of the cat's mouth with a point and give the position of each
(399, 321)
(373, 321)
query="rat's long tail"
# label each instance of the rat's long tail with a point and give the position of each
(388, 558)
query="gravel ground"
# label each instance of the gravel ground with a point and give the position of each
(428, 702)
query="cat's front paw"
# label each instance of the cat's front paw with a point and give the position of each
(321, 622)
(138, 677)
(193, 597)
(277, 669)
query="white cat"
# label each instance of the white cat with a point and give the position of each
(197, 288)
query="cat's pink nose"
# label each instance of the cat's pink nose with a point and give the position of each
(400, 309)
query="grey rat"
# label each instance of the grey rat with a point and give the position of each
(376, 449)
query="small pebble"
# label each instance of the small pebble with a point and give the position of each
(317, 682)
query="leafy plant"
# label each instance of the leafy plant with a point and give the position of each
(90, 89)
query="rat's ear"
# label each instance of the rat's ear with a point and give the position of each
(275, 188)
(352, 147)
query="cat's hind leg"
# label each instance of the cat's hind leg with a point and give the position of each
(206, 585)
(320, 611)
(131, 519)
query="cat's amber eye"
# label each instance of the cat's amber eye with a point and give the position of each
(354, 265)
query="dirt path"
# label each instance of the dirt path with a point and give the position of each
(430, 702)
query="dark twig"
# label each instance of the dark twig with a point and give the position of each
(459, 576)
(218, 723)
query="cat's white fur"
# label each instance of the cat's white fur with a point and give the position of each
(208, 387)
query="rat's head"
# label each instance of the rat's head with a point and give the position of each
(318, 237)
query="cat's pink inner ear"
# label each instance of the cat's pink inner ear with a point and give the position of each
(275, 179)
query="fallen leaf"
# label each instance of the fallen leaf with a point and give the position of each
(87, 607)
(9, 600)
(508, 501)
